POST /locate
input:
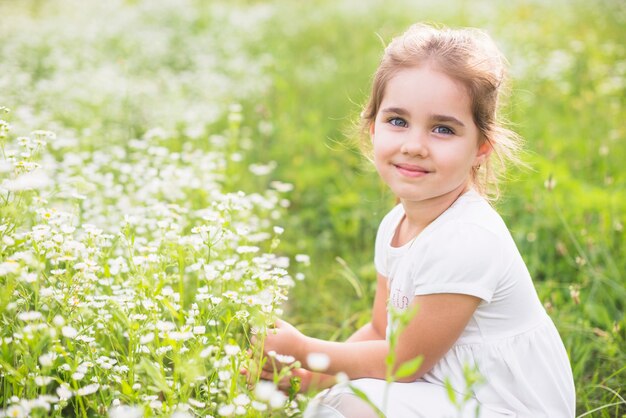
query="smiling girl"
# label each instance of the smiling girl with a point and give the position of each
(432, 123)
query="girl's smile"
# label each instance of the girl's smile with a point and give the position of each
(411, 170)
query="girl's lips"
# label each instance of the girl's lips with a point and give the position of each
(411, 170)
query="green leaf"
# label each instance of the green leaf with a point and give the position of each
(12, 371)
(154, 372)
(408, 367)
(358, 392)
(350, 276)
(170, 308)
(389, 359)
(450, 391)
(126, 389)
(294, 387)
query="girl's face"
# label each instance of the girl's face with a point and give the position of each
(424, 137)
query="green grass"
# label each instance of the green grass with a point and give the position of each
(305, 69)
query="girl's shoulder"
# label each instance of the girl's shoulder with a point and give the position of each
(473, 211)
(471, 226)
(391, 219)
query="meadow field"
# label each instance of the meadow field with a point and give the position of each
(174, 173)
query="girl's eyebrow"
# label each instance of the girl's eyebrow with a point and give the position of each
(396, 110)
(447, 118)
(438, 118)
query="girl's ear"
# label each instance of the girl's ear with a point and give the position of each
(372, 131)
(484, 151)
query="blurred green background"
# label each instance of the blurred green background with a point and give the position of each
(104, 73)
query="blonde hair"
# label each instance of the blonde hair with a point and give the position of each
(471, 57)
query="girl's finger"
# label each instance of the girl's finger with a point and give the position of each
(269, 367)
(266, 375)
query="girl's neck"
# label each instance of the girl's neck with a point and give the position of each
(419, 214)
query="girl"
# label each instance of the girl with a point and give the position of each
(433, 127)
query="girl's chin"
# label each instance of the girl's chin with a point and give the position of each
(409, 198)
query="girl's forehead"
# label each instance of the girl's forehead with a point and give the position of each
(416, 87)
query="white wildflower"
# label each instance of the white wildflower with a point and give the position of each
(303, 258)
(28, 277)
(47, 359)
(318, 362)
(231, 350)
(88, 390)
(162, 350)
(226, 410)
(196, 403)
(42, 402)
(262, 170)
(284, 358)
(241, 400)
(259, 406)
(265, 298)
(277, 400)
(15, 411)
(9, 266)
(264, 390)
(207, 352)
(341, 378)
(29, 316)
(146, 339)
(69, 332)
(34, 180)
(282, 262)
(180, 336)
(247, 249)
(43, 380)
(125, 411)
(181, 414)
(231, 294)
(165, 326)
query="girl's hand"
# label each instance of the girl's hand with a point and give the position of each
(282, 346)
(285, 384)
(285, 339)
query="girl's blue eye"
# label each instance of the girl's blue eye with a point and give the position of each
(398, 122)
(443, 130)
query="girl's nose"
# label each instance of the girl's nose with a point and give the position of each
(415, 144)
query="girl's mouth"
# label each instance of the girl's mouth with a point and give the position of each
(410, 170)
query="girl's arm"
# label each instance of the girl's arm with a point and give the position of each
(438, 323)
(373, 330)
